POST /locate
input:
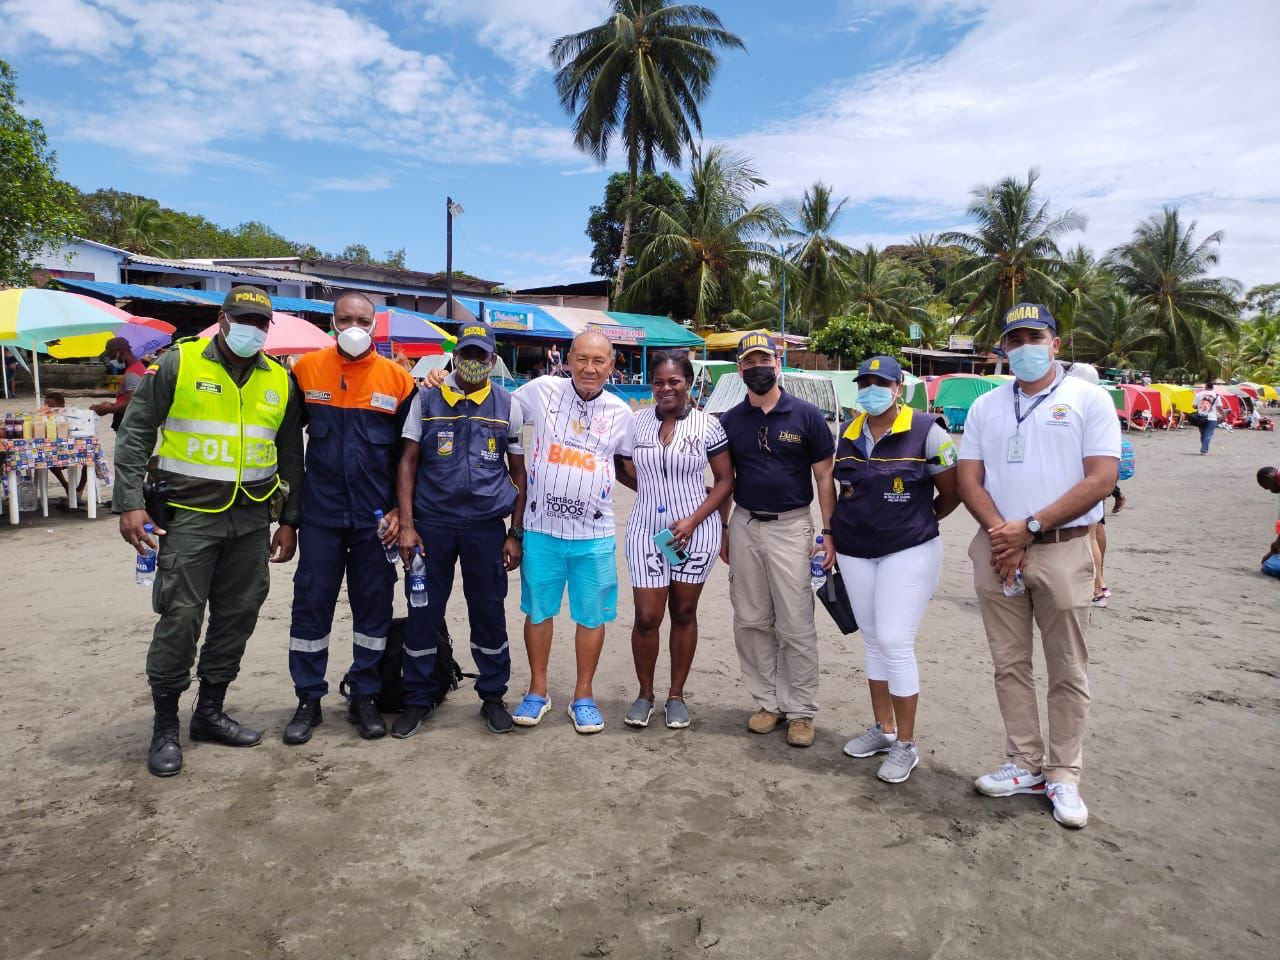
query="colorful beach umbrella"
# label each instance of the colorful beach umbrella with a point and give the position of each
(410, 333)
(144, 334)
(288, 336)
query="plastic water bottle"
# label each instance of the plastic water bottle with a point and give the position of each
(1017, 588)
(817, 575)
(392, 553)
(417, 580)
(144, 568)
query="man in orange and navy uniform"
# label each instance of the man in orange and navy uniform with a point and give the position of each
(356, 403)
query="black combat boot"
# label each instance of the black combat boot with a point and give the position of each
(307, 716)
(165, 756)
(208, 722)
(363, 712)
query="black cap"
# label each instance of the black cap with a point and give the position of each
(246, 300)
(886, 368)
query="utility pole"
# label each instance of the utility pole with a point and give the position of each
(451, 209)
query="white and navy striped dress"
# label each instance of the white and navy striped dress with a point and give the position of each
(672, 475)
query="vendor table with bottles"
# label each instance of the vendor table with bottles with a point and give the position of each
(36, 457)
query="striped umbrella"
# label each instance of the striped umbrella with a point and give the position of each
(144, 334)
(31, 318)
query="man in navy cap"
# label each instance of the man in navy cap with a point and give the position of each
(1040, 455)
(779, 445)
(461, 475)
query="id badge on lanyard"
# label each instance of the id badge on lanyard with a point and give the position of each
(1017, 448)
(1017, 445)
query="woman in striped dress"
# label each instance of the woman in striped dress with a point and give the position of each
(674, 446)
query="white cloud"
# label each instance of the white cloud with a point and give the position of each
(1123, 106)
(371, 183)
(184, 83)
(67, 26)
(519, 31)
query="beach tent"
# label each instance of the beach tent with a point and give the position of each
(960, 391)
(1140, 399)
(1117, 396)
(713, 369)
(1268, 392)
(815, 388)
(1180, 399)
(935, 384)
(846, 383)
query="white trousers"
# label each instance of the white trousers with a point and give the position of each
(889, 596)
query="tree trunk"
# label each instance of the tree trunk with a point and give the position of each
(626, 241)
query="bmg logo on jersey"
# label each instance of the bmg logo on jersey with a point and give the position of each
(568, 457)
(565, 507)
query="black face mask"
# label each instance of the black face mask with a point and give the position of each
(760, 380)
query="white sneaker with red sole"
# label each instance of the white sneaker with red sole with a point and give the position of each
(1008, 781)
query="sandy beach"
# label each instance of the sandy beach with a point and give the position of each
(662, 844)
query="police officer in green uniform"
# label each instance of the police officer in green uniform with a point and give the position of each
(230, 457)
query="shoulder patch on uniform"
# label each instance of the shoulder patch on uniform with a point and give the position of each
(152, 370)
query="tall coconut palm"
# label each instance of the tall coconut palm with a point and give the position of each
(1012, 253)
(714, 242)
(144, 227)
(818, 257)
(640, 77)
(1115, 330)
(1164, 267)
(1081, 278)
(884, 289)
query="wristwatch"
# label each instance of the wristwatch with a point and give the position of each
(1034, 527)
(516, 533)
(828, 532)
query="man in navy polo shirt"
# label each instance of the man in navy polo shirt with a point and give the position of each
(779, 445)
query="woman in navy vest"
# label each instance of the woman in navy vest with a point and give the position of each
(895, 477)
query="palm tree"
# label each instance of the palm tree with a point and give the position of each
(1013, 253)
(713, 242)
(1082, 278)
(145, 228)
(1164, 267)
(816, 254)
(640, 76)
(1116, 330)
(886, 290)
(758, 305)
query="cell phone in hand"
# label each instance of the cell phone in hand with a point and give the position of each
(666, 542)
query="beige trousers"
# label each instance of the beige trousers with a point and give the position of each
(773, 610)
(1059, 579)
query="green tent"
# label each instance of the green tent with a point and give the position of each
(847, 389)
(1117, 396)
(960, 392)
(715, 369)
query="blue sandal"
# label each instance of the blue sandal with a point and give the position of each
(586, 716)
(531, 710)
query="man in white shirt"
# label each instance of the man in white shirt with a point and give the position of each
(1209, 404)
(1039, 456)
(578, 429)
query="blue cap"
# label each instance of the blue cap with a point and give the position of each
(754, 342)
(884, 367)
(475, 335)
(1030, 316)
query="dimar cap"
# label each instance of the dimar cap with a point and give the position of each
(245, 300)
(886, 368)
(476, 335)
(757, 342)
(1031, 316)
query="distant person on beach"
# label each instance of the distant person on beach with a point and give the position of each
(119, 351)
(1039, 456)
(1269, 480)
(675, 445)
(895, 472)
(1210, 405)
(780, 446)
(229, 463)
(355, 404)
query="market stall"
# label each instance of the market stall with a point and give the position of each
(31, 459)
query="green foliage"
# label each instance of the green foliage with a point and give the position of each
(854, 338)
(1115, 330)
(931, 258)
(1012, 254)
(605, 223)
(36, 208)
(818, 258)
(885, 290)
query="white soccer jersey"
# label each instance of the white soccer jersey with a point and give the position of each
(570, 463)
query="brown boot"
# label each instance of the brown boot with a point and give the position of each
(763, 721)
(800, 732)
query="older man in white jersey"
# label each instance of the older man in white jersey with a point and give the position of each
(578, 429)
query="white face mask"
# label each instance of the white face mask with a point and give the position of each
(354, 342)
(244, 339)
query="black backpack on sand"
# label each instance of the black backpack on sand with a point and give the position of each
(391, 698)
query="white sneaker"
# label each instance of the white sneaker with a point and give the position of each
(1010, 779)
(1068, 809)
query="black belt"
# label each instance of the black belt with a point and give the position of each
(763, 517)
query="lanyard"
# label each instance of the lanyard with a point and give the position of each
(1017, 402)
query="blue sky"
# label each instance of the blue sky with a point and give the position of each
(339, 122)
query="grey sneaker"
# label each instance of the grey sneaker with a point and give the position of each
(639, 714)
(676, 715)
(873, 741)
(903, 758)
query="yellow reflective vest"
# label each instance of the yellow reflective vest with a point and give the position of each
(220, 439)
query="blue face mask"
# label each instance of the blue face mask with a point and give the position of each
(875, 400)
(244, 339)
(1030, 361)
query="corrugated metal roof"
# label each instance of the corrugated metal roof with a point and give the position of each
(139, 291)
(122, 291)
(207, 266)
(543, 324)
